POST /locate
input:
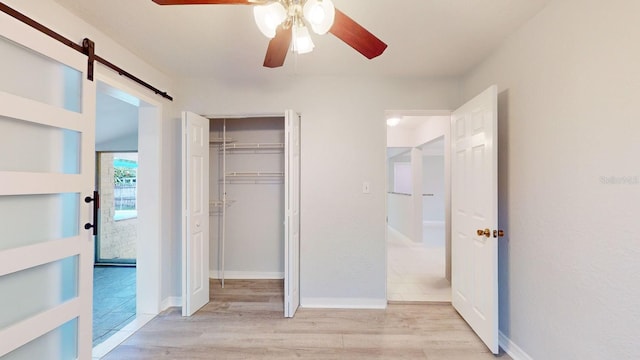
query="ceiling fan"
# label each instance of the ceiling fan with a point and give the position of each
(285, 23)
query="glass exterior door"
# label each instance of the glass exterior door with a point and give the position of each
(117, 178)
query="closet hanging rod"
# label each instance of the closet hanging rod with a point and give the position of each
(254, 146)
(254, 174)
(87, 48)
(220, 140)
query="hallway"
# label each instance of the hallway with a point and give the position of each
(415, 272)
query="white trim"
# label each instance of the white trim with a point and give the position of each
(118, 338)
(343, 303)
(149, 247)
(246, 275)
(150, 132)
(28, 110)
(33, 327)
(25, 257)
(245, 116)
(27, 183)
(171, 301)
(417, 113)
(512, 349)
(119, 85)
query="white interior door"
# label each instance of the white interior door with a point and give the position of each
(195, 212)
(292, 214)
(47, 124)
(474, 204)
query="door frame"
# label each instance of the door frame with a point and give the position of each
(271, 115)
(149, 245)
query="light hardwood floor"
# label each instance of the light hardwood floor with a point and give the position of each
(245, 321)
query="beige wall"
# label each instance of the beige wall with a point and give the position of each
(569, 84)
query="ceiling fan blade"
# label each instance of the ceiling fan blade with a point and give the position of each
(210, 2)
(278, 48)
(359, 38)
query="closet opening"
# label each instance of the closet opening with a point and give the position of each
(247, 199)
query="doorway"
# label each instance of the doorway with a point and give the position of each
(128, 241)
(254, 205)
(114, 284)
(417, 203)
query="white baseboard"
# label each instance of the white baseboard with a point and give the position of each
(512, 349)
(171, 301)
(246, 275)
(343, 303)
(102, 349)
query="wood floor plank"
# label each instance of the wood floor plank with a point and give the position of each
(245, 321)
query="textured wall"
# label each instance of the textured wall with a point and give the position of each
(569, 84)
(343, 138)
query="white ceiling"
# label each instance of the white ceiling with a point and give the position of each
(426, 38)
(115, 119)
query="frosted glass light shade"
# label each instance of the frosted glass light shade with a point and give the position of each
(269, 17)
(302, 42)
(320, 14)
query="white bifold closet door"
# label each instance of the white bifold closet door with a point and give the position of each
(292, 213)
(47, 125)
(195, 212)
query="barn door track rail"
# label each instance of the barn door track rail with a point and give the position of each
(87, 48)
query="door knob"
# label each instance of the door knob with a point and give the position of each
(485, 232)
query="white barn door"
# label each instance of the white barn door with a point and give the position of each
(195, 212)
(47, 124)
(474, 204)
(292, 214)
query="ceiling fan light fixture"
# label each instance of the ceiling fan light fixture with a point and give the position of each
(269, 17)
(320, 14)
(302, 43)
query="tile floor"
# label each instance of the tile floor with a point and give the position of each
(114, 300)
(415, 272)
